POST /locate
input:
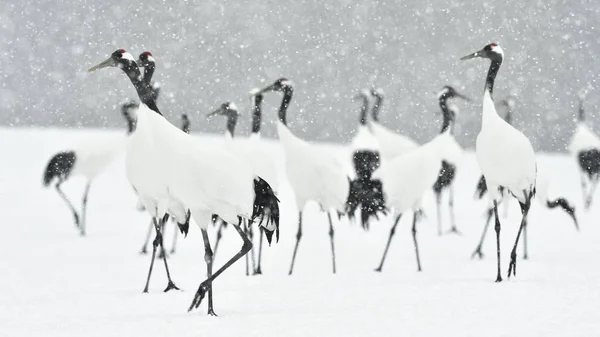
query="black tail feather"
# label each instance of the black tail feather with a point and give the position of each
(445, 177)
(59, 166)
(481, 189)
(365, 163)
(366, 194)
(266, 208)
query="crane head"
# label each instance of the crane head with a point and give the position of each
(145, 59)
(491, 51)
(119, 58)
(282, 84)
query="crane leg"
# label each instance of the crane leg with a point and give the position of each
(206, 284)
(512, 267)
(453, 228)
(497, 229)
(389, 241)
(84, 209)
(64, 197)
(258, 270)
(298, 236)
(250, 233)
(331, 233)
(145, 246)
(208, 258)
(155, 244)
(478, 251)
(161, 225)
(414, 235)
(438, 204)
(162, 252)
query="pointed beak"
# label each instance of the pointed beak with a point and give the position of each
(106, 63)
(267, 89)
(219, 111)
(470, 56)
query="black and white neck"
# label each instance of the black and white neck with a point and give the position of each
(496, 62)
(143, 90)
(446, 113)
(377, 104)
(362, 118)
(581, 113)
(288, 92)
(256, 113)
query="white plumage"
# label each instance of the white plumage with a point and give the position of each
(406, 178)
(504, 154)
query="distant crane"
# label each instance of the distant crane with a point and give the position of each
(365, 193)
(87, 159)
(312, 173)
(451, 154)
(585, 146)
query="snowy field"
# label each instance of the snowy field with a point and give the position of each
(56, 283)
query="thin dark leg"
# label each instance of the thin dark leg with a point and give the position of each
(170, 285)
(258, 270)
(84, 209)
(414, 235)
(497, 228)
(298, 236)
(453, 228)
(144, 247)
(478, 251)
(64, 197)
(331, 233)
(175, 235)
(155, 244)
(512, 267)
(219, 236)
(389, 241)
(162, 253)
(204, 286)
(208, 257)
(438, 204)
(250, 232)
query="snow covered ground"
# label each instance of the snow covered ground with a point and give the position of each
(56, 283)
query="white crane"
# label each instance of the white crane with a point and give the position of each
(391, 144)
(504, 154)
(172, 170)
(585, 146)
(87, 159)
(365, 193)
(312, 172)
(451, 154)
(405, 180)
